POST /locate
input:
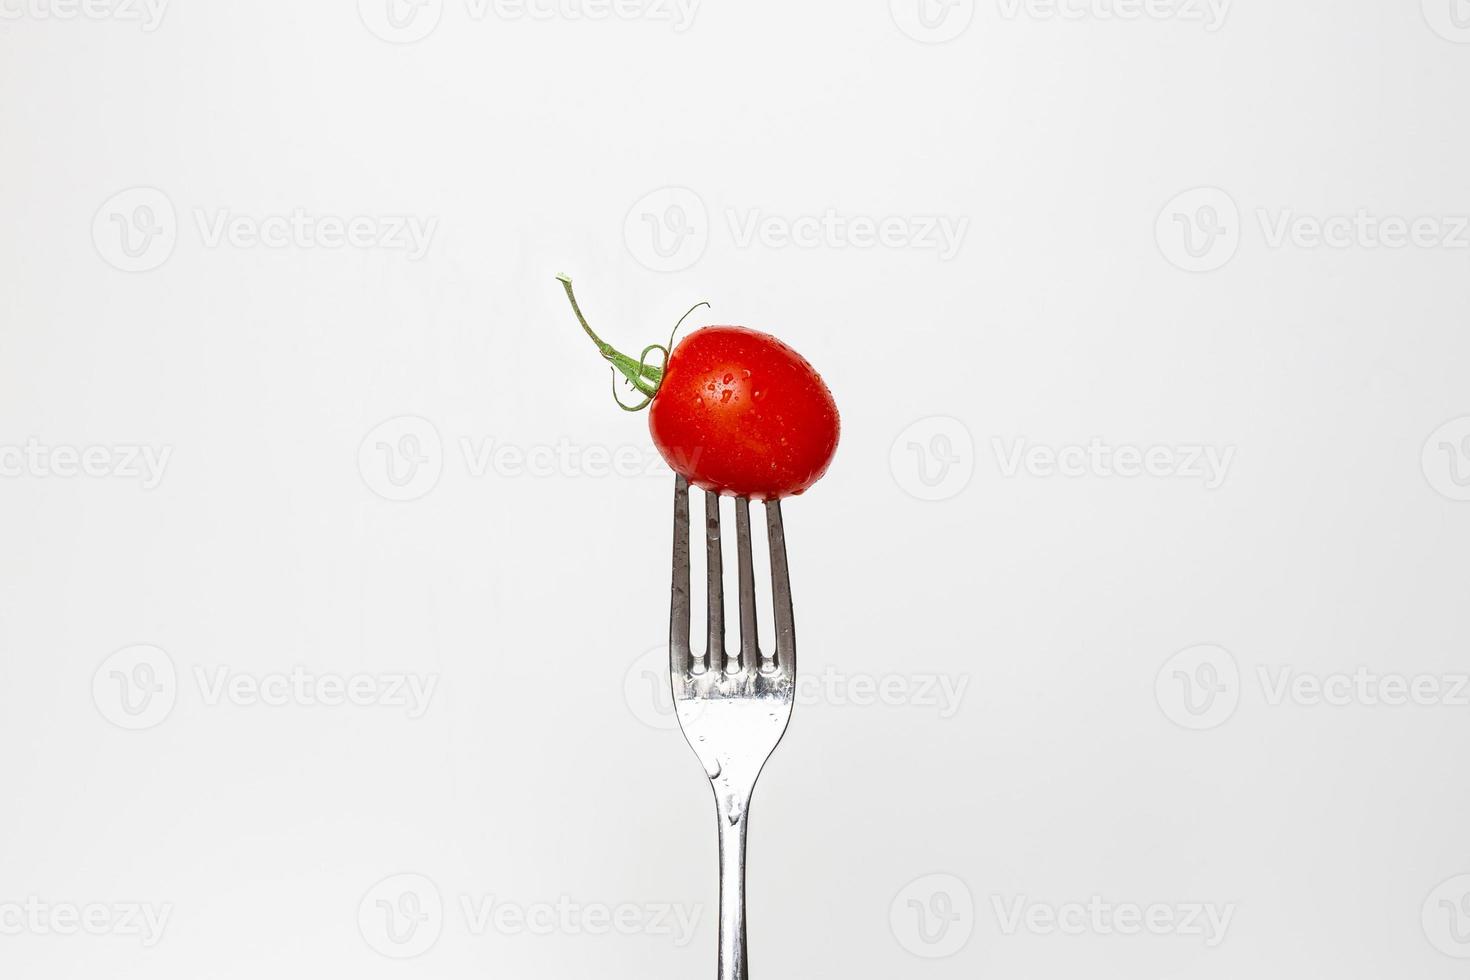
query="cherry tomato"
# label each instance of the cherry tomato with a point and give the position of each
(733, 410)
(740, 412)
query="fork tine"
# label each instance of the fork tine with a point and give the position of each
(785, 658)
(679, 660)
(750, 654)
(714, 652)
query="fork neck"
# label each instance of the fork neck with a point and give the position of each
(734, 821)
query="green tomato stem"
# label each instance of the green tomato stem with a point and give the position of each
(640, 374)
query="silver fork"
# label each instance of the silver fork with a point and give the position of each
(732, 708)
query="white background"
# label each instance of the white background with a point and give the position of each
(1123, 276)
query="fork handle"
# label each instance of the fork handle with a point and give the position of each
(734, 816)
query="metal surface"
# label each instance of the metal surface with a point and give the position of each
(732, 707)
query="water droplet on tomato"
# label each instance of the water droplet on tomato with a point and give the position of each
(729, 377)
(725, 397)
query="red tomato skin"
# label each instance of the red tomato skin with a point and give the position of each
(739, 412)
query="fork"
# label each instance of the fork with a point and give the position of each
(732, 708)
